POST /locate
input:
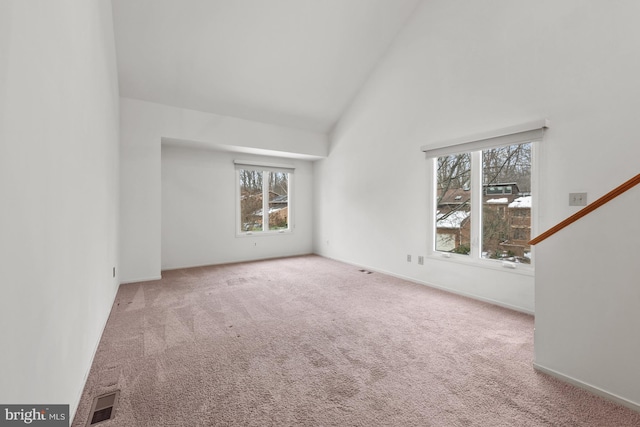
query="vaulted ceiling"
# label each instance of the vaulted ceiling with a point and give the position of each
(296, 63)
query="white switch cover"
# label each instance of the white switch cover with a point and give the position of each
(577, 199)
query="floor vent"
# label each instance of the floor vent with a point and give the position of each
(103, 408)
(366, 271)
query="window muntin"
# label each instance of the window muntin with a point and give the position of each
(264, 200)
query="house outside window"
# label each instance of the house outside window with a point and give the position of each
(505, 233)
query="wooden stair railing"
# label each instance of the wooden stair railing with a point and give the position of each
(587, 209)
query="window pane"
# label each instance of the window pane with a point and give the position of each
(278, 201)
(506, 207)
(453, 203)
(250, 200)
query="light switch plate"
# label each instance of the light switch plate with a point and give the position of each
(577, 199)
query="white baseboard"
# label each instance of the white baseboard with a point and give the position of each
(468, 295)
(235, 261)
(431, 285)
(73, 409)
(590, 388)
(143, 279)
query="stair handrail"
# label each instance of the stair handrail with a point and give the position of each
(587, 209)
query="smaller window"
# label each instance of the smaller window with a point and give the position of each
(264, 198)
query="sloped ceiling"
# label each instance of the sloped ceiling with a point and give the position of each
(296, 63)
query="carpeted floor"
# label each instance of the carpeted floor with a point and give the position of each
(308, 341)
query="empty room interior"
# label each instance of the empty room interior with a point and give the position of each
(284, 212)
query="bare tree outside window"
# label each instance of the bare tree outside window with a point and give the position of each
(453, 203)
(250, 200)
(508, 164)
(264, 200)
(278, 200)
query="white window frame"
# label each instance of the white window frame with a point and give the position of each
(265, 168)
(532, 132)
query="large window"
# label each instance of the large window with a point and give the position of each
(505, 197)
(483, 196)
(264, 198)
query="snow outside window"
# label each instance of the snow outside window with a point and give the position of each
(453, 203)
(503, 224)
(484, 194)
(506, 219)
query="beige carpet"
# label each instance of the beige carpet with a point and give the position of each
(308, 341)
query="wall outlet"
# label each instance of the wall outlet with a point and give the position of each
(577, 199)
(408, 258)
(421, 260)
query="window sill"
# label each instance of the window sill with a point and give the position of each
(497, 265)
(264, 233)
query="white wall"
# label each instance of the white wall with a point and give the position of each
(58, 186)
(588, 299)
(199, 210)
(143, 126)
(463, 67)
